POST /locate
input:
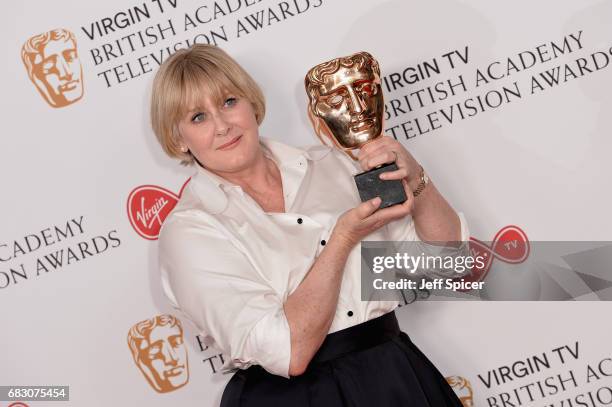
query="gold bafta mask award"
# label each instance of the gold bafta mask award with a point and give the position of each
(346, 110)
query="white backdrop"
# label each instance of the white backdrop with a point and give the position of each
(539, 161)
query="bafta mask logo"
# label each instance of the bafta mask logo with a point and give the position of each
(53, 65)
(158, 351)
(346, 100)
(463, 390)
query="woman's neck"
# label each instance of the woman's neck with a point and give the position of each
(259, 178)
(263, 183)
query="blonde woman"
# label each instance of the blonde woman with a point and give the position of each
(262, 250)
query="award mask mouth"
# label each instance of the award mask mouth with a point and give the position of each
(68, 86)
(362, 123)
(175, 371)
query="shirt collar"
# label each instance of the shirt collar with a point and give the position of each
(211, 189)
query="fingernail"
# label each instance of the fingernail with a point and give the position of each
(376, 201)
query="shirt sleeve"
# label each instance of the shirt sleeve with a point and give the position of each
(212, 282)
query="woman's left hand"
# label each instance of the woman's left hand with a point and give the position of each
(385, 150)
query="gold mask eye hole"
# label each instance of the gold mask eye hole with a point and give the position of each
(369, 89)
(335, 100)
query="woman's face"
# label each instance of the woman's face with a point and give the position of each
(223, 136)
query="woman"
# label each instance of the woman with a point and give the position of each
(262, 250)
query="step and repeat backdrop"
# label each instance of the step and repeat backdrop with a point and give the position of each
(506, 104)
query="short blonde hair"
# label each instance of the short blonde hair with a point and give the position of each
(180, 82)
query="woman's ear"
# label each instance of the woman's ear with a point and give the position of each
(176, 134)
(257, 118)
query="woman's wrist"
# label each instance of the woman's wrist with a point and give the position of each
(423, 199)
(423, 180)
(434, 219)
(340, 243)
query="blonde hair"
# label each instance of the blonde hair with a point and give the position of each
(183, 78)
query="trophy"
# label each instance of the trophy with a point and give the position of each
(346, 110)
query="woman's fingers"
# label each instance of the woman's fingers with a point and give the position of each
(357, 223)
(367, 208)
(374, 148)
(392, 212)
(365, 154)
(380, 142)
(398, 174)
(396, 211)
(386, 215)
(372, 161)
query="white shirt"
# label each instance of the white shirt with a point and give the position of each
(228, 266)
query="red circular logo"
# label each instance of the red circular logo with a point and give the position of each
(148, 206)
(509, 245)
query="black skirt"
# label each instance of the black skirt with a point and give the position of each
(370, 364)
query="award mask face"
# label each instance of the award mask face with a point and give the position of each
(346, 102)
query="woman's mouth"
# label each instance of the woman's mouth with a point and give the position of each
(231, 144)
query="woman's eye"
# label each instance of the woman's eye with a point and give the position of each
(198, 117)
(230, 102)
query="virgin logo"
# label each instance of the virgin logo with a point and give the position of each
(509, 245)
(148, 206)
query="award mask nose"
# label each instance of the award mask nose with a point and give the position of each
(356, 102)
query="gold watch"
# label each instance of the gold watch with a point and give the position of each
(422, 184)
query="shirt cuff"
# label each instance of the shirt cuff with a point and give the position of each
(270, 341)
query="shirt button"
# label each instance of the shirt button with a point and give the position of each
(350, 313)
(323, 242)
(299, 220)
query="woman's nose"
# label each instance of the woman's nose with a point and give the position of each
(221, 125)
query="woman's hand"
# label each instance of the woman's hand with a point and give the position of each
(384, 150)
(434, 219)
(357, 223)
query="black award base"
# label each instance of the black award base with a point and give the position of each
(370, 186)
